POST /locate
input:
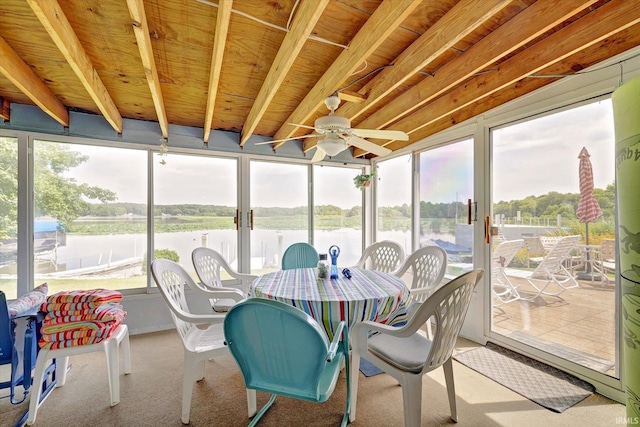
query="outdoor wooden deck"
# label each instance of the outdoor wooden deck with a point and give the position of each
(578, 325)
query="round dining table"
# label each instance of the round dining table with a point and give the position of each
(367, 295)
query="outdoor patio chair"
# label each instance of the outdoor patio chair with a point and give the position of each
(200, 344)
(209, 264)
(405, 353)
(548, 242)
(502, 288)
(283, 351)
(299, 255)
(551, 270)
(535, 250)
(608, 255)
(385, 256)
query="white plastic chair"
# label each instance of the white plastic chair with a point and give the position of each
(501, 286)
(110, 347)
(199, 344)
(426, 266)
(385, 256)
(209, 265)
(406, 354)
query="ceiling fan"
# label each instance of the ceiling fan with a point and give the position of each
(337, 134)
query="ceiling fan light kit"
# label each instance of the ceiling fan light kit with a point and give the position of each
(332, 145)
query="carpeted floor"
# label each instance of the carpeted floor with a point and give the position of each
(151, 396)
(547, 386)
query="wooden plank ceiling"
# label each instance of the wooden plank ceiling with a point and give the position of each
(255, 67)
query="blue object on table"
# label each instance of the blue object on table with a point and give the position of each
(334, 251)
(346, 273)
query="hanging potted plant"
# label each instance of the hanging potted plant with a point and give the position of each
(363, 180)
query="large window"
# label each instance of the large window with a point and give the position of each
(394, 201)
(536, 183)
(8, 216)
(337, 212)
(446, 187)
(280, 210)
(90, 204)
(90, 224)
(195, 201)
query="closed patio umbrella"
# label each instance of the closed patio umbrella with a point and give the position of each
(588, 207)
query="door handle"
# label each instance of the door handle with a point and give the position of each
(472, 211)
(236, 219)
(487, 229)
(250, 215)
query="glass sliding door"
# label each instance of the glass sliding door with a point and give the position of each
(279, 216)
(195, 203)
(394, 201)
(536, 193)
(446, 187)
(337, 212)
(90, 225)
(9, 216)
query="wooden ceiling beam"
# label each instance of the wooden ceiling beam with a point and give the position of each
(350, 96)
(386, 18)
(589, 30)
(595, 54)
(141, 31)
(5, 109)
(223, 18)
(23, 77)
(305, 20)
(465, 17)
(532, 22)
(55, 22)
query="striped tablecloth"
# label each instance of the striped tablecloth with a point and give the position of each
(368, 295)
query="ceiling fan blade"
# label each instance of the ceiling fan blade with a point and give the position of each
(318, 155)
(368, 146)
(311, 135)
(381, 133)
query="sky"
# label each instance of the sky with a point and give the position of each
(529, 158)
(537, 156)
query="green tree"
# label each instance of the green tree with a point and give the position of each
(8, 188)
(55, 195)
(169, 254)
(354, 211)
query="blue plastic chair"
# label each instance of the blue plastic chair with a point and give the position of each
(9, 355)
(299, 255)
(283, 351)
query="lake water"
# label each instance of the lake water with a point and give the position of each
(267, 246)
